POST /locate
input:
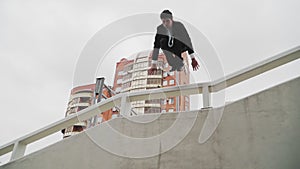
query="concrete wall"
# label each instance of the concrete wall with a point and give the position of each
(261, 131)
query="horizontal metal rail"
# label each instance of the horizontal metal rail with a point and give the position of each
(256, 69)
(18, 146)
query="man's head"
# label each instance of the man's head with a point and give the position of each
(166, 18)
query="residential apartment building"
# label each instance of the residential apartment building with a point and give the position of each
(132, 75)
(80, 98)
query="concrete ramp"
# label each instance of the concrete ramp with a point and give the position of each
(261, 131)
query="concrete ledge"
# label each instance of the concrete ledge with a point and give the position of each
(260, 131)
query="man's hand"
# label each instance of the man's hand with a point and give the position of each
(153, 69)
(195, 64)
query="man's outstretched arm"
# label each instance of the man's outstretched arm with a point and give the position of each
(155, 53)
(188, 43)
(153, 67)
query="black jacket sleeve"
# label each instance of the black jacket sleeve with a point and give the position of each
(156, 44)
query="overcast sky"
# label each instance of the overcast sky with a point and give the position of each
(40, 42)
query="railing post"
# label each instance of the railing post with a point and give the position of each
(98, 96)
(206, 96)
(18, 151)
(125, 105)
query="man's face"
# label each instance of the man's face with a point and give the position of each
(167, 22)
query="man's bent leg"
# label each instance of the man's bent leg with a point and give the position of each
(170, 58)
(178, 61)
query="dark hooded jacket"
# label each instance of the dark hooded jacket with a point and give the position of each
(182, 41)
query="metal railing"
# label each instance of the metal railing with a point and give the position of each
(18, 146)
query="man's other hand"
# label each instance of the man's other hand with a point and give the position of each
(195, 64)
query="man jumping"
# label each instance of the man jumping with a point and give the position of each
(173, 39)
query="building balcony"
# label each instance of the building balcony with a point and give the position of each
(125, 89)
(144, 86)
(153, 85)
(77, 95)
(137, 87)
(152, 105)
(155, 76)
(139, 69)
(142, 105)
(80, 104)
(82, 123)
(127, 80)
(68, 134)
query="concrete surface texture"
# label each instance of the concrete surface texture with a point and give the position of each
(261, 131)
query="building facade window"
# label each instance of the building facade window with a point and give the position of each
(154, 81)
(152, 109)
(140, 65)
(172, 82)
(139, 74)
(118, 89)
(128, 68)
(69, 129)
(171, 110)
(119, 81)
(164, 101)
(138, 103)
(142, 59)
(154, 101)
(171, 101)
(158, 72)
(126, 77)
(75, 100)
(165, 83)
(139, 110)
(81, 108)
(84, 100)
(138, 83)
(73, 110)
(114, 116)
(165, 74)
(77, 128)
(126, 85)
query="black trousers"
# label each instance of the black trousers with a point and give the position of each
(173, 54)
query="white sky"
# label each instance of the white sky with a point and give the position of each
(40, 42)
